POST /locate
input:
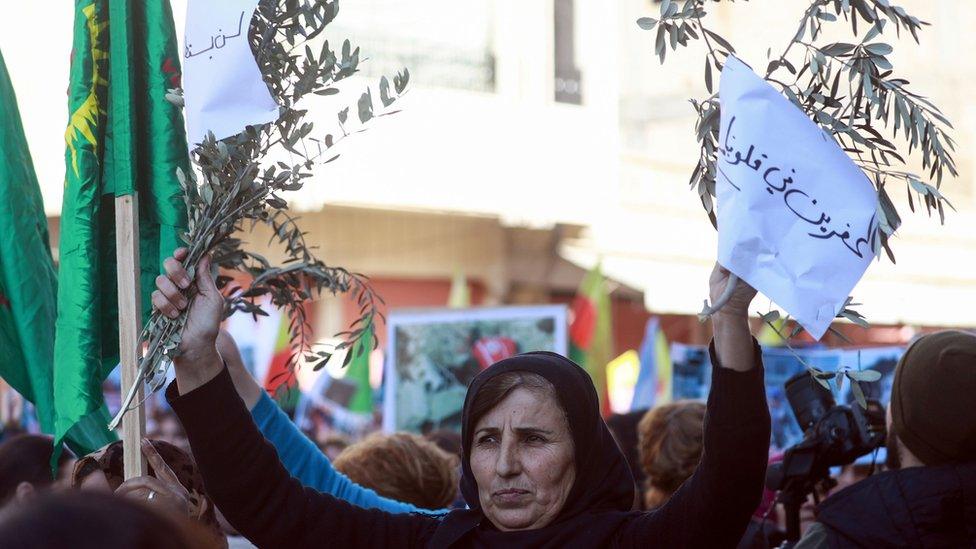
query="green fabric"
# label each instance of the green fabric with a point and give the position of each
(591, 345)
(362, 400)
(27, 280)
(28, 284)
(122, 137)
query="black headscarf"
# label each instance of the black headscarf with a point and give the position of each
(602, 495)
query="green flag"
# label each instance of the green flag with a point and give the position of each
(358, 373)
(27, 280)
(122, 137)
(591, 331)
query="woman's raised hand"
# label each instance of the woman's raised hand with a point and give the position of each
(730, 324)
(742, 295)
(198, 360)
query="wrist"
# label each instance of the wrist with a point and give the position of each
(730, 319)
(733, 341)
(196, 367)
(246, 386)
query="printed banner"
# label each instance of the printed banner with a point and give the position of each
(434, 354)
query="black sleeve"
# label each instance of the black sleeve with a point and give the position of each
(713, 507)
(246, 481)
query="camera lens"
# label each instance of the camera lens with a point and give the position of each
(808, 399)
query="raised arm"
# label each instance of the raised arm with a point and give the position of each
(713, 507)
(241, 470)
(300, 457)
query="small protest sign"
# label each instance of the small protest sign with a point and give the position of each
(222, 86)
(797, 219)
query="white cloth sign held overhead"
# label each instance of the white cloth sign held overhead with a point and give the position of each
(222, 86)
(797, 219)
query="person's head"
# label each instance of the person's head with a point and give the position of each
(522, 452)
(624, 428)
(25, 467)
(404, 467)
(670, 446)
(167, 428)
(931, 416)
(95, 521)
(446, 439)
(101, 471)
(535, 449)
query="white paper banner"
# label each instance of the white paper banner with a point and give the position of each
(222, 86)
(797, 219)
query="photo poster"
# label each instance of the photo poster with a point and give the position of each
(692, 379)
(323, 410)
(434, 354)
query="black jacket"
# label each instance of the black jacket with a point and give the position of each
(248, 484)
(929, 507)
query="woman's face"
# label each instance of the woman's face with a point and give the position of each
(522, 460)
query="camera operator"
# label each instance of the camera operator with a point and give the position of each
(928, 497)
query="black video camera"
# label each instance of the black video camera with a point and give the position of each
(833, 434)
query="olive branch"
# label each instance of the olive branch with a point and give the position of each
(235, 185)
(850, 90)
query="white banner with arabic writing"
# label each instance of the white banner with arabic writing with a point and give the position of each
(222, 86)
(797, 219)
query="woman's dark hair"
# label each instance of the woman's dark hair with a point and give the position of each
(87, 520)
(497, 389)
(26, 458)
(447, 440)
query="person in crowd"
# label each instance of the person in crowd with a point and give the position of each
(96, 521)
(927, 498)
(670, 446)
(404, 467)
(447, 440)
(670, 442)
(333, 445)
(25, 468)
(450, 441)
(299, 455)
(623, 427)
(166, 427)
(10, 429)
(173, 483)
(539, 466)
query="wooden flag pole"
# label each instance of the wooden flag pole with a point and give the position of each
(130, 317)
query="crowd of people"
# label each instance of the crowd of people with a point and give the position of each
(535, 464)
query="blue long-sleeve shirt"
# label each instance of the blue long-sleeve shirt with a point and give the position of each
(312, 468)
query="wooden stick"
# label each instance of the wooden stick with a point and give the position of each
(130, 320)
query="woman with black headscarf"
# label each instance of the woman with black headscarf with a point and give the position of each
(540, 468)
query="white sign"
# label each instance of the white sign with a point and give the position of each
(797, 219)
(222, 86)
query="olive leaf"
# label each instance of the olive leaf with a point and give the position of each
(864, 375)
(236, 185)
(848, 88)
(859, 394)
